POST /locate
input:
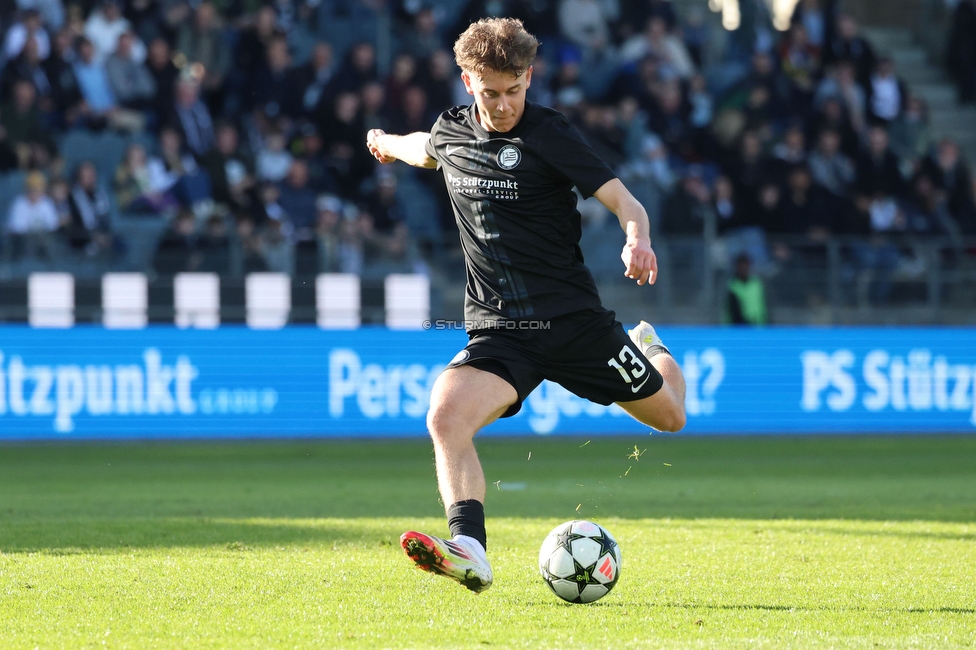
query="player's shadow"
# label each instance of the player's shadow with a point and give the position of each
(83, 536)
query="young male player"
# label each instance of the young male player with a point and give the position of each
(531, 307)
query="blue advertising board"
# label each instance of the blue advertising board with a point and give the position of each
(163, 382)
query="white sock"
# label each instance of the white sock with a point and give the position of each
(475, 544)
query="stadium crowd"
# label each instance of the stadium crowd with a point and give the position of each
(242, 124)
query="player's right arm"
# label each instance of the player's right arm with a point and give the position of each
(411, 149)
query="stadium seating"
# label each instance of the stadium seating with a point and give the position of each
(338, 301)
(407, 300)
(51, 300)
(268, 298)
(125, 300)
(196, 297)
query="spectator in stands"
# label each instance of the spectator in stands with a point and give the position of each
(635, 14)
(25, 132)
(909, 132)
(926, 210)
(151, 19)
(373, 101)
(29, 27)
(175, 170)
(961, 50)
(252, 45)
(688, 208)
(137, 189)
(351, 242)
(586, 23)
(402, 76)
(831, 169)
(192, 118)
(950, 175)
(769, 208)
(800, 59)
(278, 251)
(101, 107)
(841, 84)
(59, 69)
(811, 14)
(268, 90)
(160, 65)
(422, 39)
(723, 201)
(90, 228)
(269, 208)
(298, 200)
(790, 153)
(358, 69)
(28, 66)
(746, 298)
(103, 28)
(437, 79)
(766, 81)
(748, 169)
(848, 45)
(886, 93)
(666, 47)
(213, 247)
(833, 117)
(341, 133)
(176, 250)
(32, 218)
(231, 171)
(60, 194)
(52, 11)
(273, 159)
(327, 233)
(246, 248)
(877, 168)
(8, 155)
(309, 148)
(131, 83)
(806, 208)
(309, 84)
(202, 42)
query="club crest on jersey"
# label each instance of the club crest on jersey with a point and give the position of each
(509, 156)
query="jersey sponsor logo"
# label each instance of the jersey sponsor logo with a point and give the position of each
(453, 150)
(509, 157)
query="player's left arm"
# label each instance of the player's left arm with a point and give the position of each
(638, 256)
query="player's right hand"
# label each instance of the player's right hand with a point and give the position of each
(373, 139)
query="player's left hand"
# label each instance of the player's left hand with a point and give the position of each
(640, 261)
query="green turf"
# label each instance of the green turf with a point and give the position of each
(775, 542)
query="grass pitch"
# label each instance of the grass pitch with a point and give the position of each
(752, 542)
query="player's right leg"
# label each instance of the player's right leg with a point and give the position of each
(665, 409)
(464, 400)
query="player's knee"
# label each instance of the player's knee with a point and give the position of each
(674, 420)
(444, 422)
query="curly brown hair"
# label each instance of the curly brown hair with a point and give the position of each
(495, 45)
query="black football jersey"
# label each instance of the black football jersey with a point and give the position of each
(516, 212)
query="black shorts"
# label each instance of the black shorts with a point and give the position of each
(587, 352)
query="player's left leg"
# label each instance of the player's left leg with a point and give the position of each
(464, 400)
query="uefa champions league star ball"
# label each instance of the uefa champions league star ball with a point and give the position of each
(580, 561)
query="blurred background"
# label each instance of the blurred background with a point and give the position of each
(802, 162)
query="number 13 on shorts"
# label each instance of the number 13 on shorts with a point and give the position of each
(631, 367)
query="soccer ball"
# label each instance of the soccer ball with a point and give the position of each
(580, 561)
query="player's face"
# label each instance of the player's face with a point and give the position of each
(500, 97)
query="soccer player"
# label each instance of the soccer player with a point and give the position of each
(531, 307)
